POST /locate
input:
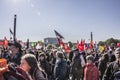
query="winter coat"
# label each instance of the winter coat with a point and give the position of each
(91, 72)
(102, 67)
(110, 70)
(44, 64)
(38, 75)
(76, 67)
(60, 70)
(16, 58)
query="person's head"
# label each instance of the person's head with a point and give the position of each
(42, 56)
(54, 52)
(29, 63)
(112, 46)
(90, 59)
(105, 57)
(117, 53)
(15, 47)
(59, 55)
(76, 51)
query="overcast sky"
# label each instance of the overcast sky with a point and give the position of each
(73, 19)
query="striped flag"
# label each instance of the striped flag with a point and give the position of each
(61, 43)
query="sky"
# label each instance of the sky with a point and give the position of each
(73, 19)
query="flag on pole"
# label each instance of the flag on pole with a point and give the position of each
(61, 43)
(5, 43)
(80, 45)
(11, 32)
(58, 35)
(91, 45)
(64, 46)
(101, 48)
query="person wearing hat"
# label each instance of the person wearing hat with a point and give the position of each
(113, 67)
(16, 53)
(76, 70)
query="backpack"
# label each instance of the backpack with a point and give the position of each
(15, 73)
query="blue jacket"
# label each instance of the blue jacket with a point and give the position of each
(60, 70)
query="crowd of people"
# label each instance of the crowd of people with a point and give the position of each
(54, 64)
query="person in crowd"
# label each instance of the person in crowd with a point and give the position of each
(76, 66)
(29, 64)
(53, 60)
(44, 64)
(91, 72)
(113, 67)
(3, 68)
(71, 55)
(102, 64)
(16, 53)
(111, 52)
(5, 54)
(60, 68)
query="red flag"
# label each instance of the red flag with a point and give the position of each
(80, 45)
(67, 49)
(91, 45)
(64, 47)
(61, 43)
(5, 43)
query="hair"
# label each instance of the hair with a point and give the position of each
(60, 54)
(105, 57)
(90, 57)
(32, 62)
(117, 50)
(42, 54)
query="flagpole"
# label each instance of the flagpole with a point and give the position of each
(14, 35)
(91, 37)
(10, 37)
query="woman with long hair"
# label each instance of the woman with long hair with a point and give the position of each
(29, 63)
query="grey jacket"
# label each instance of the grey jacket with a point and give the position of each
(38, 75)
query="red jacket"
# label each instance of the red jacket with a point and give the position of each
(91, 72)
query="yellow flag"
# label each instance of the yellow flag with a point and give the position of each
(101, 48)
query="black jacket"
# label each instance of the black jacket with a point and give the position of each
(46, 66)
(16, 58)
(110, 70)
